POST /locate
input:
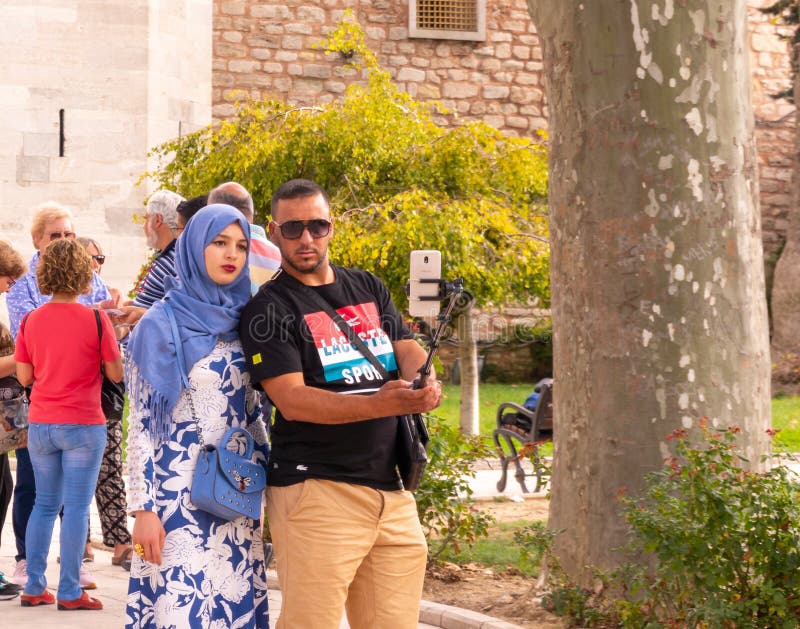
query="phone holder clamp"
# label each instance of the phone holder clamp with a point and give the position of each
(445, 288)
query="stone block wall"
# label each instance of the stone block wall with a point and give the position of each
(775, 127)
(266, 49)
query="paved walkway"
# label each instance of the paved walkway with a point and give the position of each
(113, 584)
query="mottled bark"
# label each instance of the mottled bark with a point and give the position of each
(658, 303)
(786, 286)
(469, 422)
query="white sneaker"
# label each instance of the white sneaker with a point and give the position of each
(20, 576)
(86, 577)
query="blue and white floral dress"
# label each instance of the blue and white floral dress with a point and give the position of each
(212, 574)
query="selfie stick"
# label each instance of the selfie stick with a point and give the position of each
(453, 289)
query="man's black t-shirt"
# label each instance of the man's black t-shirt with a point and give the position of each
(283, 332)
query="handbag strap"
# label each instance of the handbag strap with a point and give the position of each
(99, 339)
(354, 339)
(176, 339)
(99, 325)
(99, 336)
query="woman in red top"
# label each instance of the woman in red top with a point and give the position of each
(60, 349)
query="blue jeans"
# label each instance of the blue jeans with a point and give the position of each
(66, 461)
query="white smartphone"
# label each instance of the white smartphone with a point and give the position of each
(425, 264)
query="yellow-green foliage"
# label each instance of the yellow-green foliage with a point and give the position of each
(397, 180)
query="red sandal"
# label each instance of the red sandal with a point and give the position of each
(33, 600)
(84, 602)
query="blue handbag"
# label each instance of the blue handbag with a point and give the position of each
(227, 484)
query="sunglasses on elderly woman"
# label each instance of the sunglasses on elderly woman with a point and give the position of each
(317, 227)
(99, 258)
(57, 235)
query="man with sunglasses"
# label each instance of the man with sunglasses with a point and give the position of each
(345, 533)
(51, 222)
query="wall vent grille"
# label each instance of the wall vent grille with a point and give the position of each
(447, 19)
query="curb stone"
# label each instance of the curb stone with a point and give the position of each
(437, 614)
(449, 617)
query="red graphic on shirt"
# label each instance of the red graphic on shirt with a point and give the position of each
(340, 360)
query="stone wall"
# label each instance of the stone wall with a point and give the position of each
(266, 49)
(127, 75)
(775, 127)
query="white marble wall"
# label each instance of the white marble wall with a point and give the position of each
(128, 74)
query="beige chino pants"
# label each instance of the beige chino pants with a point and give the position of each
(340, 546)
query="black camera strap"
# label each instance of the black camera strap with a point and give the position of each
(354, 339)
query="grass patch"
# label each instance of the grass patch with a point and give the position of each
(786, 418)
(497, 551)
(491, 396)
(785, 410)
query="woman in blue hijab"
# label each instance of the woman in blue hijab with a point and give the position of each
(193, 569)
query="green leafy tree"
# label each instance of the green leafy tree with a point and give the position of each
(397, 180)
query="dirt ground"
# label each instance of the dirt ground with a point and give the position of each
(504, 595)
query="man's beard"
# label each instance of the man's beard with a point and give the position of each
(305, 270)
(152, 238)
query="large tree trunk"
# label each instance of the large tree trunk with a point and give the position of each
(786, 286)
(658, 303)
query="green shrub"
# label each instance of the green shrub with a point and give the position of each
(715, 545)
(533, 542)
(448, 519)
(726, 541)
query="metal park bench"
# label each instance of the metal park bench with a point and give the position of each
(519, 433)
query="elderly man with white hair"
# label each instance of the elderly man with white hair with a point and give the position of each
(161, 230)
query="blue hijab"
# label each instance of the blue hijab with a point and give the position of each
(181, 329)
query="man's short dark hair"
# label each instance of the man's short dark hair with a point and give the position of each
(188, 208)
(297, 189)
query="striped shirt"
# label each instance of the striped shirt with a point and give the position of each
(152, 287)
(265, 258)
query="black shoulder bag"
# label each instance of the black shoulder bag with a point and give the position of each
(112, 394)
(412, 434)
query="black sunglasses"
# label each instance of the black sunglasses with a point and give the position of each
(317, 227)
(99, 258)
(57, 235)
